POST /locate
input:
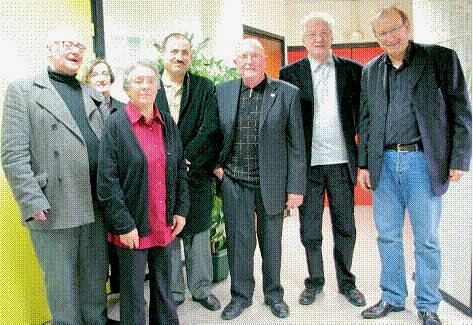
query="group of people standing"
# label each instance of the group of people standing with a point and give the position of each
(82, 164)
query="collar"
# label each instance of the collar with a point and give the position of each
(135, 115)
(314, 64)
(407, 58)
(168, 83)
(258, 87)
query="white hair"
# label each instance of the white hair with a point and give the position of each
(247, 43)
(64, 33)
(317, 16)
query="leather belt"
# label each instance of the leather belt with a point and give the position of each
(404, 147)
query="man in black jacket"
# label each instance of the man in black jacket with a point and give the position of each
(190, 99)
(330, 90)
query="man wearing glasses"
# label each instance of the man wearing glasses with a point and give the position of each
(50, 140)
(415, 136)
(330, 93)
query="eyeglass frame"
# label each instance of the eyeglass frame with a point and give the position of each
(388, 32)
(69, 45)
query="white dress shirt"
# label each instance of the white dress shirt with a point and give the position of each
(328, 142)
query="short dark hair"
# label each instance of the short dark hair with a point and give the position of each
(91, 67)
(175, 35)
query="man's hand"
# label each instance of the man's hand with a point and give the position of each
(219, 173)
(188, 164)
(131, 240)
(294, 200)
(40, 216)
(178, 222)
(364, 179)
(455, 174)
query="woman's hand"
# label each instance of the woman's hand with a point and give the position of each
(131, 240)
(178, 223)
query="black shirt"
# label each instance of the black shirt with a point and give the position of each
(71, 92)
(401, 122)
(242, 164)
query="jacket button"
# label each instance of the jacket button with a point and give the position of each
(54, 126)
(169, 153)
(56, 153)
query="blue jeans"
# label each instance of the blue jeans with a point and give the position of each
(404, 183)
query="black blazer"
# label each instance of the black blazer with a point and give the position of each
(281, 152)
(441, 106)
(122, 177)
(347, 76)
(198, 119)
(198, 127)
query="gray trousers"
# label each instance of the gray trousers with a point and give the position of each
(239, 205)
(198, 261)
(75, 266)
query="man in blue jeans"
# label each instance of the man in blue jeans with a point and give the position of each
(415, 136)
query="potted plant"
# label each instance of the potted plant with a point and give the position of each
(215, 70)
(218, 238)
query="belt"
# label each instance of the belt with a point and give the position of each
(404, 147)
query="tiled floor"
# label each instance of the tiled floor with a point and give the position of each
(330, 307)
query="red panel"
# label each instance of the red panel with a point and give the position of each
(295, 55)
(364, 55)
(342, 52)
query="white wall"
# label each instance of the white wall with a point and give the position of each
(448, 23)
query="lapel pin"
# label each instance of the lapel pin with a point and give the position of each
(273, 94)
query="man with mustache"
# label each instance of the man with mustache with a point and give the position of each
(191, 101)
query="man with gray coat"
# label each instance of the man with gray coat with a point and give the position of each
(50, 136)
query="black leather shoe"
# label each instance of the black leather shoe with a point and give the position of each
(429, 318)
(210, 302)
(308, 295)
(354, 296)
(381, 309)
(233, 309)
(279, 309)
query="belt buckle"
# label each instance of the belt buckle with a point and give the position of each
(398, 147)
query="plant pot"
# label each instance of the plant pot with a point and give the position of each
(220, 265)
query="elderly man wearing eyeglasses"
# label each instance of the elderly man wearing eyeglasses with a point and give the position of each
(50, 138)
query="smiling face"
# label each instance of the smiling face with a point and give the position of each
(318, 39)
(250, 63)
(392, 34)
(101, 79)
(176, 55)
(142, 86)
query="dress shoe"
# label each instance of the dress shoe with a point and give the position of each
(210, 302)
(279, 309)
(354, 296)
(308, 295)
(429, 318)
(233, 309)
(381, 309)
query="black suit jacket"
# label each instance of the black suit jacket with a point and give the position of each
(198, 127)
(441, 106)
(347, 76)
(281, 152)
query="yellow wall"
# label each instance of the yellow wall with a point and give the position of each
(23, 27)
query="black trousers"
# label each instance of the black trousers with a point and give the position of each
(132, 275)
(340, 191)
(239, 205)
(114, 268)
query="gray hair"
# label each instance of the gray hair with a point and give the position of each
(317, 16)
(133, 66)
(250, 42)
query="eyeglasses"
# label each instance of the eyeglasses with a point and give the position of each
(314, 35)
(381, 35)
(68, 45)
(103, 74)
(138, 81)
(252, 56)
